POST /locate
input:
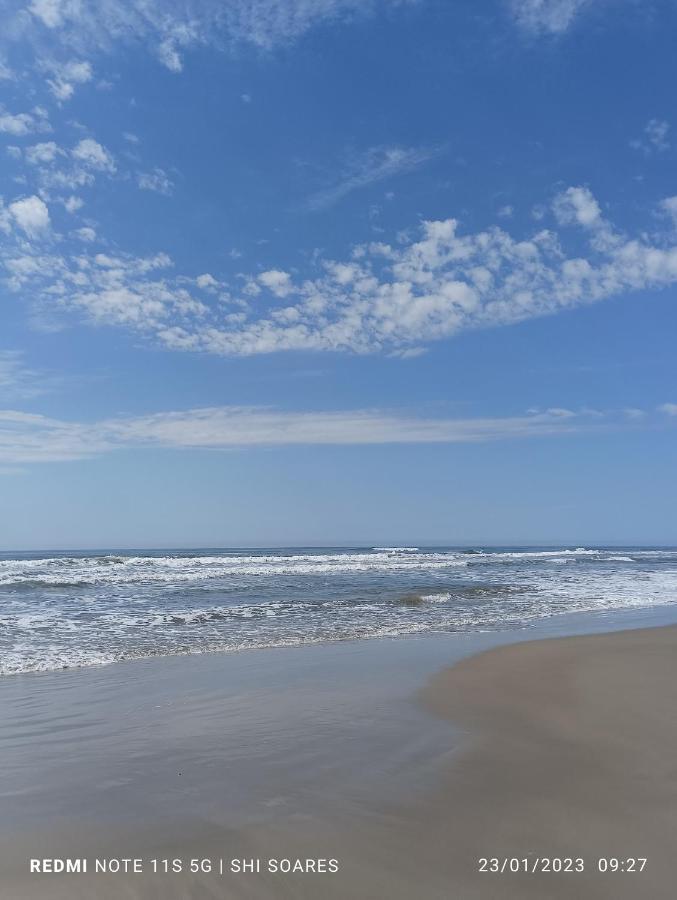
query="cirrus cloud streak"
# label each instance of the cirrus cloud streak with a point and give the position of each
(31, 438)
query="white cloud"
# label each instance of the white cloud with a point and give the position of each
(178, 36)
(655, 139)
(376, 164)
(206, 281)
(86, 234)
(6, 221)
(670, 409)
(61, 170)
(383, 298)
(157, 181)
(657, 134)
(66, 76)
(118, 290)
(28, 438)
(409, 353)
(31, 215)
(50, 12)
(547, 16)
(39, 154)
(576, 205)
(94, 155)
(171, 27)
(73, 204)
(34, 438)
(669, 207)
(278, 282)
(19, 124)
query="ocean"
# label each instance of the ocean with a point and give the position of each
(69, 609)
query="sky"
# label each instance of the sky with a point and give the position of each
(318, 272)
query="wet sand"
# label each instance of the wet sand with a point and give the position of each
(568, 751)
(574, 754)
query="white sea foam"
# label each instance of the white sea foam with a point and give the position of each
(90, 570)
(115, 569)
(396, 549)
(86, 609)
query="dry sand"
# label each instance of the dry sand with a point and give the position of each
(571, 753)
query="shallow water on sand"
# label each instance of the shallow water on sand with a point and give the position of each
(234, 738)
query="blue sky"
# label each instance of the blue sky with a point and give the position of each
(327, 271)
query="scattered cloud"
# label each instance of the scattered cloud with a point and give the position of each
(73, 204)
(6, 221)
(94, 156)
(39, 154)
(177, 37)
(576, 205)
(19, 124)
(69, 170)
(86, 234)
(670, 409)
(28, 438)
(382, 298)
(409, 352)
(31, 215)
(376, 164)
(547, 16)
(206, 281)
(119, 290)
(50, 12)
(170, 28)
(278, 283)
(669, 207)
(157, 181)
(655, 137)
(657, 134)
(66, 76)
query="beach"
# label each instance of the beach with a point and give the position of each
(573, 757)
(338, 407)
(535, 751)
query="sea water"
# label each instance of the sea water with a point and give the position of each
(67, 609)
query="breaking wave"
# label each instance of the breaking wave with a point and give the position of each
(84, 609)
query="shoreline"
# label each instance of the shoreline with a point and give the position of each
(554, 625)
(566, 761)
(69, 612)
(515, 735)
